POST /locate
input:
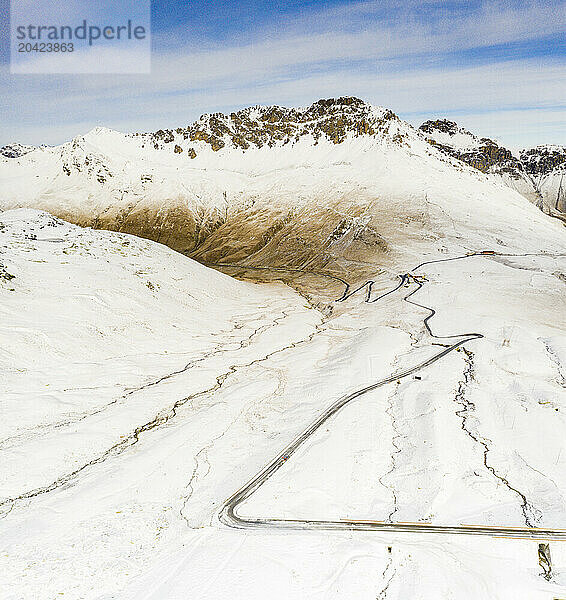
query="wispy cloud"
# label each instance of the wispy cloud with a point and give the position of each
(414, 57)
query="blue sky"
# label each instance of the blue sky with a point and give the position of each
(497, 67)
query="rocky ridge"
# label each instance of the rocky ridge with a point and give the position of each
(324, 187)
(258, 126)
(544, 159)
(536, 173)
(15, 150)
(483, 154)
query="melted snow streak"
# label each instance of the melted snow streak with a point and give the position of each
(531, 515)
(560, 368)
(387, 576)
(160, 419)
(43, 429)
(397, 435)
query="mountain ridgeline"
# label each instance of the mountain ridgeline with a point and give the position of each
(537, 173)
(268, 126)
(330, 186)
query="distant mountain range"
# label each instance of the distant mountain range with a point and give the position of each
(536, 173)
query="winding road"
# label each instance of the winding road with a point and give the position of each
(228, 513)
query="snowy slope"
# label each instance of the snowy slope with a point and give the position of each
(132, 413)
(141, 389)
(91, 322)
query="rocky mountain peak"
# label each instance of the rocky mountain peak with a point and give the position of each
(542, 160)
(15, 150)
(443, 125)
(332, 119)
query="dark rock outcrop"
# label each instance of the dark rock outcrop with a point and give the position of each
(15, 150)
(331, 119)
(542, 160)
(485, 155)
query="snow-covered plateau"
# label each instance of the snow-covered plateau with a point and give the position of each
(317, 357)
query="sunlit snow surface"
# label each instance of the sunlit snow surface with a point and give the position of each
(140, 389)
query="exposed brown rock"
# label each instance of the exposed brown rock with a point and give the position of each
(332, 119)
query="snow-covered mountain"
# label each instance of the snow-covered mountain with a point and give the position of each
(547, 167)
(536, 173)
(140, 390)
(233, 187)
(15, 150)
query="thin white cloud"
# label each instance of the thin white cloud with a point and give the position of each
(332, 40)
(296, 68)
(487, 89)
